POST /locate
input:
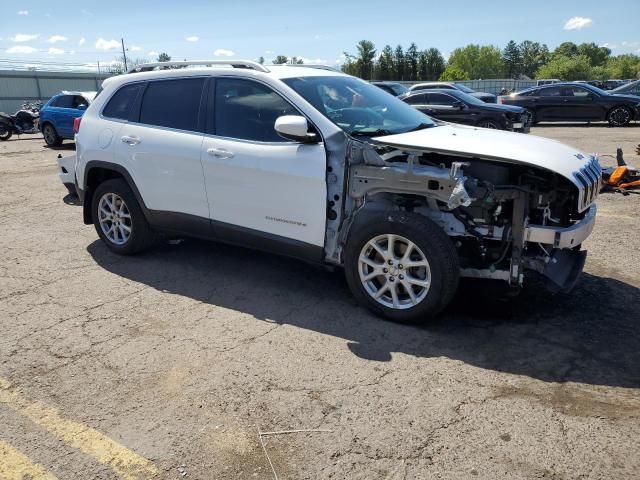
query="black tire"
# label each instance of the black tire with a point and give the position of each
(488, 123)
(434, 244)
(532, 116)
(141, 236)
(51, 137)
(5, 133)
(619, 116)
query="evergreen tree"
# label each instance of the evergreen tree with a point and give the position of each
(399, 63)
(512, 59)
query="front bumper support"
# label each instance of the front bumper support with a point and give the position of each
(568, 237)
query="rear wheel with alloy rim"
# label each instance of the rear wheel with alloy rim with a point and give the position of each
(5, 133)
(118, 218)
(402, 266)
(486, 123)
(619, 116)
(50, 135)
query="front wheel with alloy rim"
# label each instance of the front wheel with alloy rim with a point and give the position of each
(619, 116)
(118, 218)
(402, 266)
(50, 135)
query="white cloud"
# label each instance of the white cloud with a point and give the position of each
(609, 45)
(72, 52)
(55, 51)
(21, 49)
(577, 23)
(135, 48)
(317, 37)
(103, 44)
(269, 52)
(192, 38)
(57, 38)
(153, 53)
(221, 52)
(630, 44)
(23, 37)
(81, 41)
(23, 12)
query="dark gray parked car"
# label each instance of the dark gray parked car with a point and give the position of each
(484, 96)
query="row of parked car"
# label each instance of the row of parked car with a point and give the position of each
(551, 102)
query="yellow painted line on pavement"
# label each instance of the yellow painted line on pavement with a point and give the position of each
(129, 465)
(15, 465)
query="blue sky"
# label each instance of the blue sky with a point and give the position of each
(318, 31)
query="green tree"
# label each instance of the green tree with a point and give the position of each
(295, 61)
(412, 62)
(566, 68)
(624, 66)
(452, 73)
(566, 49)
(350, 65)
(399, 63)
(280, 59)
(365, 58)
(261, 60)
(431, 64)
(164, 57)
(598, 56)
(385, 64)
(478, 61)
(512, 59)
(533, 56)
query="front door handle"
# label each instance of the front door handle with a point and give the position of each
(130, 140)
(220, 153)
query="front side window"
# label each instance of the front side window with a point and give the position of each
(575, 92)
(119, 106)
(550, 92)
(172, 103)
(248, 110)
(358, 107)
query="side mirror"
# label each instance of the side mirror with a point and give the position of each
(296, 128)
(82, 106)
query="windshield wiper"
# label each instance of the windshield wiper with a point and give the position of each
(421, 126)
(371, 133)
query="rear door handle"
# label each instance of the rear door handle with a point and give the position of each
(220, 153)
(130, 140)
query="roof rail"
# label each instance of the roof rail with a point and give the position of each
(310, 65)
(146, 67)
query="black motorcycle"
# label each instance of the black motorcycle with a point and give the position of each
(26, 120)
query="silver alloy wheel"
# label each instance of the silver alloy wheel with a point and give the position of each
(49, 135)
(620, 116)
(394, 271)
(114, 218)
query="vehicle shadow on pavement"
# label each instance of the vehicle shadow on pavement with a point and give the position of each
(589, 336)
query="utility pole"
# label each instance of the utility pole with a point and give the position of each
(98, 67)
(124, 55)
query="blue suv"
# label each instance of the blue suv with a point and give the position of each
(58, 114)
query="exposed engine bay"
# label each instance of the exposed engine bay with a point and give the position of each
(505, 218)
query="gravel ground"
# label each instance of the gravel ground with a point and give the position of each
(167, 364)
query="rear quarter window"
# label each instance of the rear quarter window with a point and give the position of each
(119, 106)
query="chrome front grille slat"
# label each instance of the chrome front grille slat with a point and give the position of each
(589, 177)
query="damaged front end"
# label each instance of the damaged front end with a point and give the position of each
(506, 218)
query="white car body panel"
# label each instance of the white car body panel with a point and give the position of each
(277, 188)
(165, 167)
(494, 144)
(69, 164)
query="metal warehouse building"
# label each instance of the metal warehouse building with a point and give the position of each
(16, 86)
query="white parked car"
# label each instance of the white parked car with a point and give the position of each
(311, 163)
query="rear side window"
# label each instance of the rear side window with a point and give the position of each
(417, 99)
(248, 110)
(120, 104)
(172, 103)
(550, 92)
(440, 99)
(63, 101)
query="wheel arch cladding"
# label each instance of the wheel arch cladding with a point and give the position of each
(97, 172)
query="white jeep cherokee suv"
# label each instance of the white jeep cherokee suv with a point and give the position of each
(314, 164)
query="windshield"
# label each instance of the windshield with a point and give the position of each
(398, 88)
(358, 107)
(626, 88)
(464, 89)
